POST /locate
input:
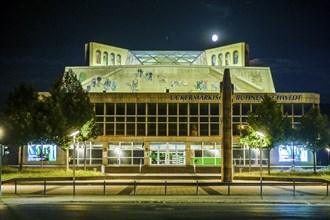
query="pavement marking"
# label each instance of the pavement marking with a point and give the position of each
(128, 190)
(210, 191)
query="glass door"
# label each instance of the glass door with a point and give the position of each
(167, 153)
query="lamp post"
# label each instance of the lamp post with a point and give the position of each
(74, 134)
(261, 136)
(328, 149)
(1, 134)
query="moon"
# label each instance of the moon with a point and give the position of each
(215, 37)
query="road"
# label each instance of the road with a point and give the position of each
(159, 211)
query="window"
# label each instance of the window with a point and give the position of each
(99, 109)
(105, 58)
(236, 109)
(220, 59)
(213, 60)
(112, 59)
(130, 109)
(130, 129)
(151, 129)
(287, 109)
(151, 108)
(161, 129)
(172, 130)
(245, 109)
(297, 109)
(161, 108)
(183, 107)
(183, 129)
(204, 109)
(110, 108)
(172, 109)
(141, 109)
(109, 129)
(193, 109)
(235, 57)
(227, 58)
(125, 153)
(120, 129)
(118, 59)
(205, 154)
(214, 109)
(98, 57)
(215, 129)
(204, 131)
(141, 129)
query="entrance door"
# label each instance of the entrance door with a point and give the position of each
(167, 154)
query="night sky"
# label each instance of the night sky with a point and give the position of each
(39, 38)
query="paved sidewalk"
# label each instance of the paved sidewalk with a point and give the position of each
(30, 199)
(157, 190)
(164, 188)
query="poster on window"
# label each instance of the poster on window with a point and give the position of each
(286, 154)
(38, 152)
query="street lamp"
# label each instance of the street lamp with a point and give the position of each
(1, 134)
(74, 134)
(261, 136)
(328, 149)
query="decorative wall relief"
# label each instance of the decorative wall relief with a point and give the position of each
(135, 85)
(215, 87)
(202, 84)
(257, 78)
(82, 77)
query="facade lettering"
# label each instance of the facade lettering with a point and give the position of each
(237, 97)
(197, 97)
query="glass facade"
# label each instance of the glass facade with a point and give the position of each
(159, 119)
(157, 130)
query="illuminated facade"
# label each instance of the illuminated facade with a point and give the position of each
(163, 108)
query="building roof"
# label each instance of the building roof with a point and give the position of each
(167, 57)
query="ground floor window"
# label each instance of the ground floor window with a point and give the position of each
(205, 153)
(91, 152)
(126, 153)
(176, 153)
(248, 156)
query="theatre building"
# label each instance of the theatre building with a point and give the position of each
(163, 109)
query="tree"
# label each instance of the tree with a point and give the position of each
(313, 131)
(19, 111)
(49, 123)
(269, 119)
(90, 130)
(73, 103)
(249, 137)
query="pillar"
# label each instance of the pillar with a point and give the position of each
(105, 153)
(188, 154)
(227, 138)
(146, 153)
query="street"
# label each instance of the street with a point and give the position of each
(139, 211)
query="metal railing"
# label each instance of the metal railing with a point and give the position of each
(102, 187)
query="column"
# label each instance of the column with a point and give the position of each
(146, 153)
(227, 131)
(188, 154)
(105, 153)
